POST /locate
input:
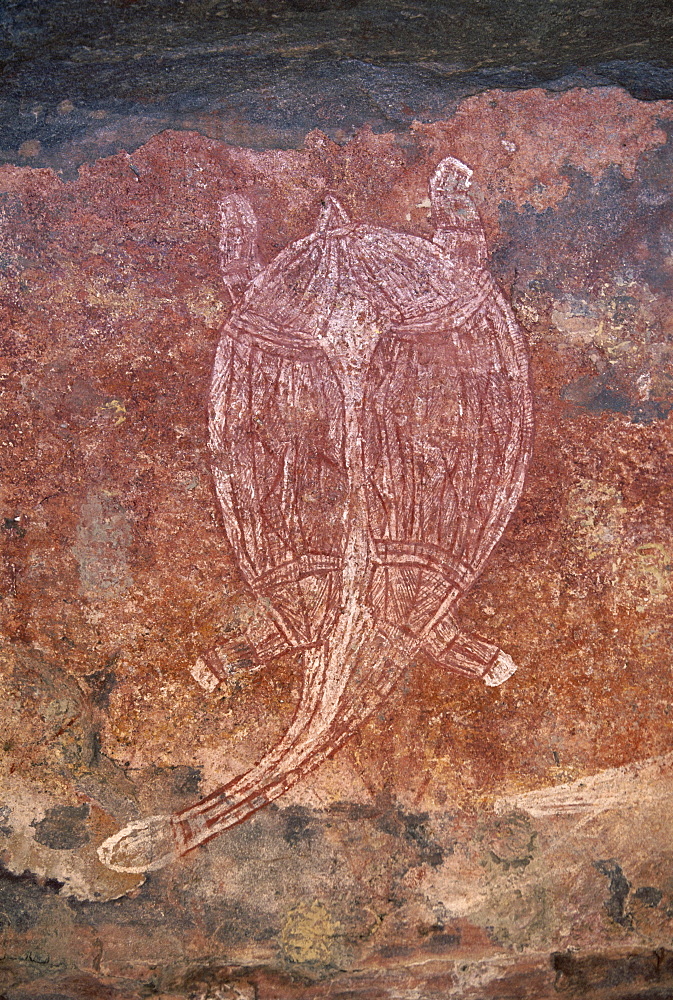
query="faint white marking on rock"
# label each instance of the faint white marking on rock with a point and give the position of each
(627, 787)
(103, 540)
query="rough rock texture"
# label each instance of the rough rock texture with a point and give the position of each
(468, 841)
(81, 80)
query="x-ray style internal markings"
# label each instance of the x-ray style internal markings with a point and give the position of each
(370, 426)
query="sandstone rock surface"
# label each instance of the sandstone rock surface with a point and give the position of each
(467, 841)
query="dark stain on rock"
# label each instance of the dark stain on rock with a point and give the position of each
(6, 829)
(610, 223)
(442, 940)
(91, 743)
(101, 683)
(63, 828)
(80, 986)
(597, 394)
(411, 828)
(396, 951)
(650, 410)
(46, 691)
(582, 975)
(336, 64)
(298, 827)
(619, 888)
(235, 922)
(648, 895)
(574, 240)
(416, 832)
(42, 996)
(210, 980)
(13, 527)
(607, 393)
(21, 898)
(186, 780)
(170, 786)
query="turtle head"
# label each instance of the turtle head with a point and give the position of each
(332, 215)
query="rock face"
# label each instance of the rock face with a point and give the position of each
(82, 80)
(466, 840)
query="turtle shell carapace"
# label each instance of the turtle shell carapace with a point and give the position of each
(421, 351)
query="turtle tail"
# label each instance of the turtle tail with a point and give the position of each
(345, 680)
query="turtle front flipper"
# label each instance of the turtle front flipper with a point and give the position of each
(458, 228)
(239, 256)
(469, 655)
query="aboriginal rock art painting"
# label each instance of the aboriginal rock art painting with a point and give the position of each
(370, 423)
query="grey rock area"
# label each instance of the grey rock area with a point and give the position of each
(83, 80)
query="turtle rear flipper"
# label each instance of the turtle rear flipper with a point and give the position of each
(264, 638)
(260, 643)
(239, 256)
(469, 655)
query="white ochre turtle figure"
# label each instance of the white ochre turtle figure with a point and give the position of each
(370, 429)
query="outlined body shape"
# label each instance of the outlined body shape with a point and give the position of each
(370, 429)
